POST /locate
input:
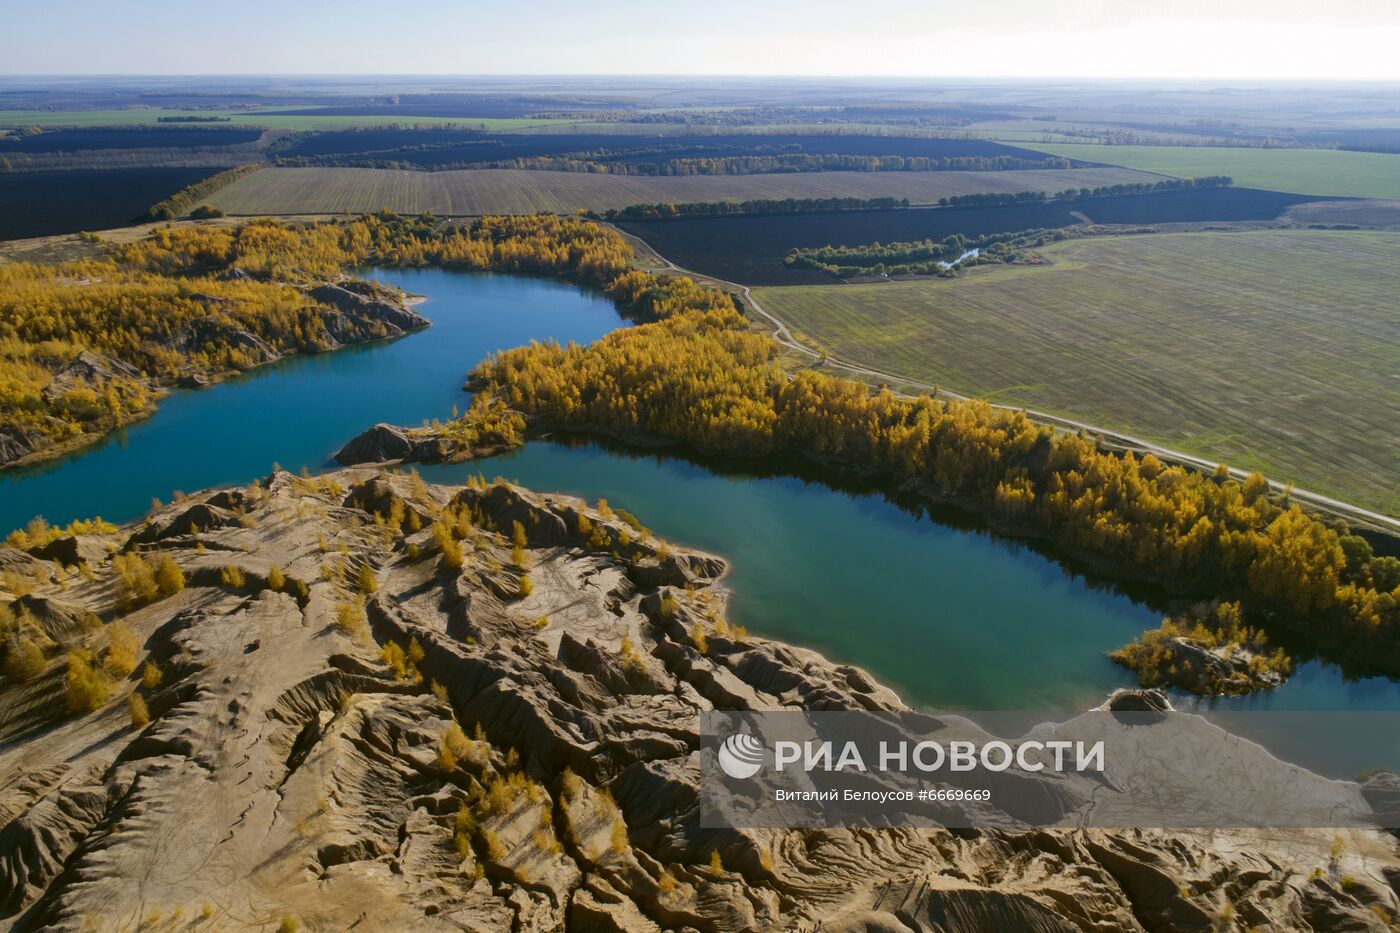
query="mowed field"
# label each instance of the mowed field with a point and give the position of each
(1276, 350)
(1329, 172)
(511, 191)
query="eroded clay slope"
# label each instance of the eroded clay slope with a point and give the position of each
(382, 705)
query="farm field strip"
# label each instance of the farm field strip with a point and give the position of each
(1329, 172)
(1270, 350)
(485, 191)
(454, 146)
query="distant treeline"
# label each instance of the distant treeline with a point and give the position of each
(794, 162)
(925, 257)
(911, 115)
(184, 200)
(760, 206)
(1084, 194)
(291, 141)
(1198, 137)
(646, 161)
(194, 119)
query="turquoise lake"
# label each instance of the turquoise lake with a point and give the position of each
(947, 614)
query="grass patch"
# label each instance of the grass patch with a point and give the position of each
(1263, 349)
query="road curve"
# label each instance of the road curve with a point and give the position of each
(783, 335)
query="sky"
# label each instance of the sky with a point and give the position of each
(1230, 39)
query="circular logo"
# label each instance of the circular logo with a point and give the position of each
(741, 755)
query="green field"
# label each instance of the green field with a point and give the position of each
(1273, 350)
(141, 117)
(487, 191)
(1328, 172)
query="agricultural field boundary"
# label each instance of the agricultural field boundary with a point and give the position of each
(473, 192)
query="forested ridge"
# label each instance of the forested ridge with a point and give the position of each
(85, 346)
(88, 346)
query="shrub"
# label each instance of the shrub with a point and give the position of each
(122, 649)
(667, 882)
(631, 656)
(716, 863)
(276, 579)
(453, 746)
(151, 676)
(447, 544)
(87, 686)
(24, 660)
(495, 849)
(233, 577)
(350, 618)
(367, 582)
(393, 656)
(463, 828)
(135, 580)
(140, 714)
(526, 587)
(170, 579)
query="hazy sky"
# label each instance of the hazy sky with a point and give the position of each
(1151, 38)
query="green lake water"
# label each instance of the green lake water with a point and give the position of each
(947, 614)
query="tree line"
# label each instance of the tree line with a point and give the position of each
(924, 257)
(643, 162)
(991, 199)
(784, 164)
(672, 211)
(184, 200)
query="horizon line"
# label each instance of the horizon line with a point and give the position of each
(1269, 79)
